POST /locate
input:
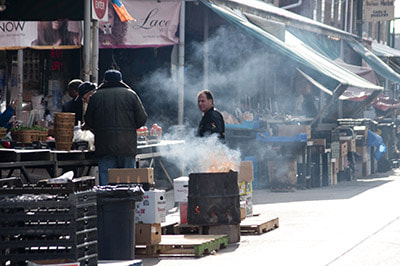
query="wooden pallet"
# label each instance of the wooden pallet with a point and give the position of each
(183, 245)
(258, 225)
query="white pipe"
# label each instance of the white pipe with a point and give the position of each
(20, 80)
(86, 41)
(293, 5)
(95, 51)
(181, 64)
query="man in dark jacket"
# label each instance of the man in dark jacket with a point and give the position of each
(74, 105)
(212, 120)
(113, 114)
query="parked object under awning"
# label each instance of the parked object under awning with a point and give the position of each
(294, 49)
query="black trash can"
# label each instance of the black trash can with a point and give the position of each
(116, 221)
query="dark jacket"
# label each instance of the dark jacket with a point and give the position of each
(74, 106)
(212, 122)
(114, 113)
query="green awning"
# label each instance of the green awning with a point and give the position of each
(374, 62)
(296, 50)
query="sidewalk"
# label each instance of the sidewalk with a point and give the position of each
(352, 223)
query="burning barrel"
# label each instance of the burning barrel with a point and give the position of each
(213, 199)
(64, 130)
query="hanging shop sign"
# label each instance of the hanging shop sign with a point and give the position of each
(156, 25)
(378, 10)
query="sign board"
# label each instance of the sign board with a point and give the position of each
(378, 10)
(100, 10)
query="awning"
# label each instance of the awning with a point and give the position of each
(295, 49)
(375, 62)
(382, 50)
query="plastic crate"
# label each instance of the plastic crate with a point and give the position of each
(246, 124)
(48, 226)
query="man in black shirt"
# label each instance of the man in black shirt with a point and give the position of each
(75, 105)
(212, 120)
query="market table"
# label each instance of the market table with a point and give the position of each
(55, 161)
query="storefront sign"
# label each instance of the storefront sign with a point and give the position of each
(156, 25)
(378, 10)
(100, 10)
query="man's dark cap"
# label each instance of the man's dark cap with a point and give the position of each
(86, 87)
(112, 75)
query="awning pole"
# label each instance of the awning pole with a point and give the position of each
(20, 82)
(205, 45)
(86, 41)
(95, 51)
(181, 64)
(336, 94)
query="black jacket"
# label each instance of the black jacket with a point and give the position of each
(212, 122)
(114, 113)
(74, 106)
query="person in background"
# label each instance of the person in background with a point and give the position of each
(74, 105)
(86, 90)
(212, 120)
(113, 114)
(7, 114)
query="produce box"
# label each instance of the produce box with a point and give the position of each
(130, 175)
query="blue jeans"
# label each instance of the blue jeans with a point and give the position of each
(109, 161)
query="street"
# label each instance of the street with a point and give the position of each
(352, 223)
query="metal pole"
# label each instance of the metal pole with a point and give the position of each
(351, 15)
(20, 80)
(181, 64)
(86, 42)
(95, 51)
(205, 61)
(346, 15)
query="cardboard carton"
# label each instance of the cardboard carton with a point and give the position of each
(153, 207)
(245, 188)
(146, 234)
(130, 175)
(181, 189)
(245, 171)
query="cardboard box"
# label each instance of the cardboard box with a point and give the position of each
(248, 199)
(363, 152)
(292, 130)
(246, 171)
(153, 207)
(147, 234)
(351, 145)
(245, 188)
(343, 148)
(318, 142)
(130, 175)
(342, 163)
(53, 262)
(181, 189)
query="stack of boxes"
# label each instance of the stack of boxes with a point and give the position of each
(364, 164)
(245, 180)
(150, 212)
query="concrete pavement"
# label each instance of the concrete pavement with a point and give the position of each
(352, 223)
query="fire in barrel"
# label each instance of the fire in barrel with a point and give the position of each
(213, 199)
(64, 130)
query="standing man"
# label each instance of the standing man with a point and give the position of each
(114, 113)
(212, 120)
(74, 105)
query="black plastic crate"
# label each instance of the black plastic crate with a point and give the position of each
(86, 253)
(43, 187)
